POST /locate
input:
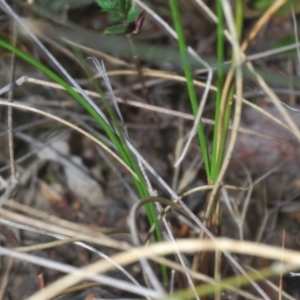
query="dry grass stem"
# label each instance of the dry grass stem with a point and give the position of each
(162, 110)
(185, 246)
(68, 124)
(245, 198)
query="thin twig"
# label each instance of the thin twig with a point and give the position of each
(10, 109)
(139, 70)
(13, 182)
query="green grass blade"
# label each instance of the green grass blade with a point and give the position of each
(227, 284)
(220, 81)
(190, 84)
(119, 141)
(239, 18)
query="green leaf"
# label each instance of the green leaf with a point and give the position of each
(127, 4)
(133, 14)
(115, 18)
(109, 5)
(116, 29)
(123, 12)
